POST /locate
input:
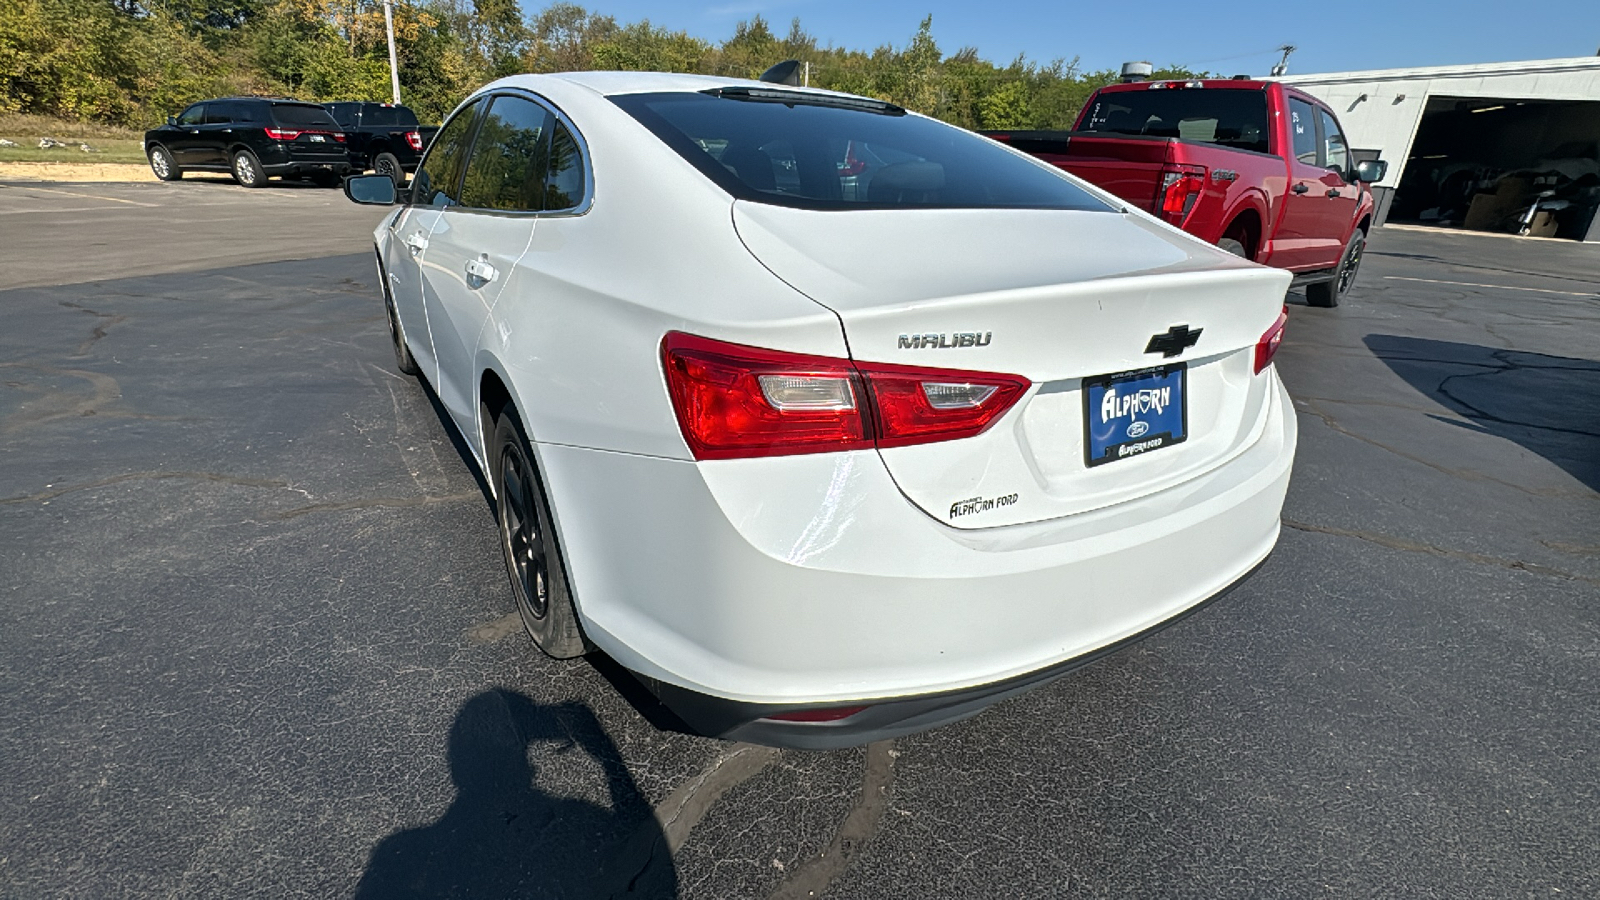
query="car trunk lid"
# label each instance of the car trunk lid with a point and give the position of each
(1058, 297)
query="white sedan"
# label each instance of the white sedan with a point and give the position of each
(827, 420)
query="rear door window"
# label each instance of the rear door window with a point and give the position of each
(810, 152)
(1303, 131)
(564, 188)
(219, 113)
(435, 181)
(510, 156)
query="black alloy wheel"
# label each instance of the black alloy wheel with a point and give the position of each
(162, 163)
(1327, 294)
(389, 164)
(528, 541)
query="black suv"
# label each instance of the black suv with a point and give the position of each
(383, 137)
(255, 138)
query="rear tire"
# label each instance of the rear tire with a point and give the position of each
(247, 170)
(162, 163)
(1327, 294)
(528, 542)
(1233, 246)
(389, 164)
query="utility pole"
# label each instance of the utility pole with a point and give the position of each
(807, 80)
(394, 70)
(1282, 68)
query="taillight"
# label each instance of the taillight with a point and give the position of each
(1267, 347)
(1181, 186)
(282, 134)
(338, 136)
(415, 140)
(734, 401)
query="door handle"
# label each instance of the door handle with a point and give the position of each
(1300, 188)
(480, 270)
(194, 131)
(416, 243)
(1333, 192)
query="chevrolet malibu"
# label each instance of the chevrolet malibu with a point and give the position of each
(827, 420)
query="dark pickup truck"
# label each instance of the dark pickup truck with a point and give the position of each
(382, 137)
(1256, 167)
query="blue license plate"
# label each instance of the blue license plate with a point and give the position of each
(1132, 413)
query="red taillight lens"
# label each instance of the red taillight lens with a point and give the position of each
(282, 134)
(734, 401)
(414, 138)
(338, 136)
(1267, 347)
(916, 405)
(832, 714)
(1181, 186)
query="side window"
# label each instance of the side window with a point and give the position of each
(1336, 154)
(435, 181)
(564, 188)
(219, 113)
(1303, 131)
(510, 157)
(194, 115)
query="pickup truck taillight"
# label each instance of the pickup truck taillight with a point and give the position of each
(414, 138)
(1180, 188)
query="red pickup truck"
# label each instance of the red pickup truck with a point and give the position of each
(1256, 167)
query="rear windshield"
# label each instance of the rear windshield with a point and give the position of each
(1232, 118)
(303, 114)
(828, 157)
(377, 115)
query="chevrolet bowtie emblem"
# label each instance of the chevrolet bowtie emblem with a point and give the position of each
(1177, 339)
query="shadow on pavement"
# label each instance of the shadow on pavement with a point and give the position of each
(505, 836)
(1548, 404)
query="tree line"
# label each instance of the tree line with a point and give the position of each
(135, 62)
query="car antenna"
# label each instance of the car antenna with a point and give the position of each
(786, 72)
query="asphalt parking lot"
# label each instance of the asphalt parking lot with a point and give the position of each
(255, 636)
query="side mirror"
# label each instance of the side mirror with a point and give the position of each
(172, 120)
(1370, 170)
(373, 190)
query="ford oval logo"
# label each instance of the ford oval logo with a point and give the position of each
(1137, 429)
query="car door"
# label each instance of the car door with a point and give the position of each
(216, 133)
(437, 186)
(1302, 240)
(185, 138)
(474, 247)
(1343, 193)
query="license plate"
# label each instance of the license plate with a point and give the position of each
(1132, 413)
(318, 139)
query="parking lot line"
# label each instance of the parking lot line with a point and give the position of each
(1503, 287)
(76, 194)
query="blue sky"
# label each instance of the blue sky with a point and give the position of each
(1228, 38)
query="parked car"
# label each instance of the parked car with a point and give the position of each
(254, 138)
(1256, 167)
(822, 466)
(383, 137)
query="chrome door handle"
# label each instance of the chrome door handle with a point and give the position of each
(480, 270)
(416, 243)
(1300, 188)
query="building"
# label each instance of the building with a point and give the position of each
(1477, 146)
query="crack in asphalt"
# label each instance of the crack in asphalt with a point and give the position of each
(1397, 543)
(99, 330)
(677, 815)
(380, 503)
(812, 877)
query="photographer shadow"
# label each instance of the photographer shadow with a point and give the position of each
(504, 836)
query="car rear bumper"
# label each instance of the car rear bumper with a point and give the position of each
(743, 588)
